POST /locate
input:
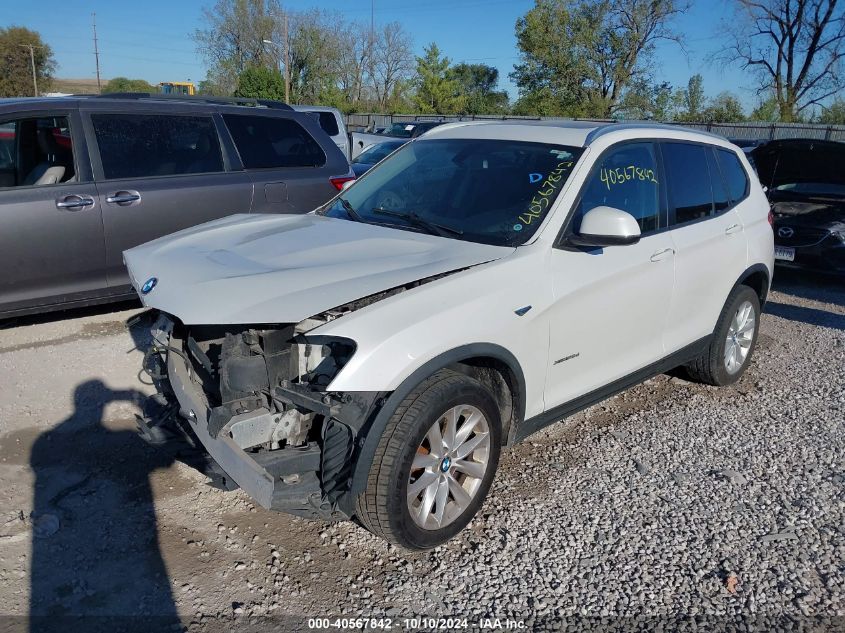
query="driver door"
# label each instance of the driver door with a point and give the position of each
(611, 304)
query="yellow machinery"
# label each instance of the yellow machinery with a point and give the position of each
(177, 88)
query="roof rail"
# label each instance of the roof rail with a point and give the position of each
(237, 101)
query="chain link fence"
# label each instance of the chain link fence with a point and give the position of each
(744, 130)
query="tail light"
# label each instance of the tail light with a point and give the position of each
(340, 181)
(771, 219)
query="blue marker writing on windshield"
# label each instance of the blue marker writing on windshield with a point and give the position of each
(535, 177)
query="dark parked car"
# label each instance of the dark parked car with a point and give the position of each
(82, 179)
(806, 187)
(364, 161)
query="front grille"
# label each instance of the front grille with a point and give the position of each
(798, 236)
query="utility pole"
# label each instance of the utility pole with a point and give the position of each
(96, 50)
(287, 65)
(32, 48)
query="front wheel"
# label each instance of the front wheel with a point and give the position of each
(434, 463)
(734, 338)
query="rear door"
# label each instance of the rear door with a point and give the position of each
(710, 244)
(158, 173)
(51, 241)
(292, 172)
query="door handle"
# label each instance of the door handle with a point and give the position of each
(733, 228)
(123, 197)
(74, 202)
(664, 254)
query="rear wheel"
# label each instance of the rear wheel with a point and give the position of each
(729, 353)
(434, 463)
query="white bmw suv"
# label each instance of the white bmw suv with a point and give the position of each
(370, 359)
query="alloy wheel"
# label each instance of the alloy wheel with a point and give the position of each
(448, 467)
(739, 338)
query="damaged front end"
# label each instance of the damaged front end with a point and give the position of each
(255, 397)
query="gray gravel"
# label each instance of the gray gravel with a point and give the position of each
(672, 499)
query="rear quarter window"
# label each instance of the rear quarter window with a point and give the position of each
(329, 123)
(734, 174)
(266, 142)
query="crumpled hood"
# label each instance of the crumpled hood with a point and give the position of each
(286, 268)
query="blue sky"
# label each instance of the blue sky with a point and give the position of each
(149, 40)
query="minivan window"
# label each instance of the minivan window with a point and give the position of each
(148, 145)
(625, 178)
(35, 152)
(734, 174)
(266, 142)
(688, 181)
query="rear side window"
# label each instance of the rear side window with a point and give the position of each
(734, 174)
(688, 181)
(148, 145)
(625, 178)
(329, 123)
(265, 142)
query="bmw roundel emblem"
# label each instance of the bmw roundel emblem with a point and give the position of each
(148, 286)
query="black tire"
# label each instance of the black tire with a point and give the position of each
(710, 368)
(382, 508)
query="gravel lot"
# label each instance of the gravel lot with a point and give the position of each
(672, 499)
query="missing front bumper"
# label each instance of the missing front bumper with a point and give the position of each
(308, 479)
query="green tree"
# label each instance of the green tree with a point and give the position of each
(438, 91)
(584, 54)
(16, 63)
(833, 114)
(478, 83)
(724, 108)
(647, 100)
(767, 110)
(123, 84)
(260, 82)
(690, 101)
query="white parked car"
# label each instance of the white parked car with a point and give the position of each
(372, 358)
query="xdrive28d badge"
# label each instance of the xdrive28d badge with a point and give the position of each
(372, 358)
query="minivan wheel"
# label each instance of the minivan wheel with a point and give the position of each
(734, 338)
(434, 463)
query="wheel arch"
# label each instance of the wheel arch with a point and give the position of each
(757, 277)
(478, 360)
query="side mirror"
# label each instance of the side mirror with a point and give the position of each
(606, 226)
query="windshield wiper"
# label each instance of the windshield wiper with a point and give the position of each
(350, 210)
(413, 218)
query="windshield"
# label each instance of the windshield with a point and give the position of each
(375, 153)
(402, 130)
(490, 191)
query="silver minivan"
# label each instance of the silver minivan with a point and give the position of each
(82, 179)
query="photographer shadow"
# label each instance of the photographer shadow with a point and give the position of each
(96, 559)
